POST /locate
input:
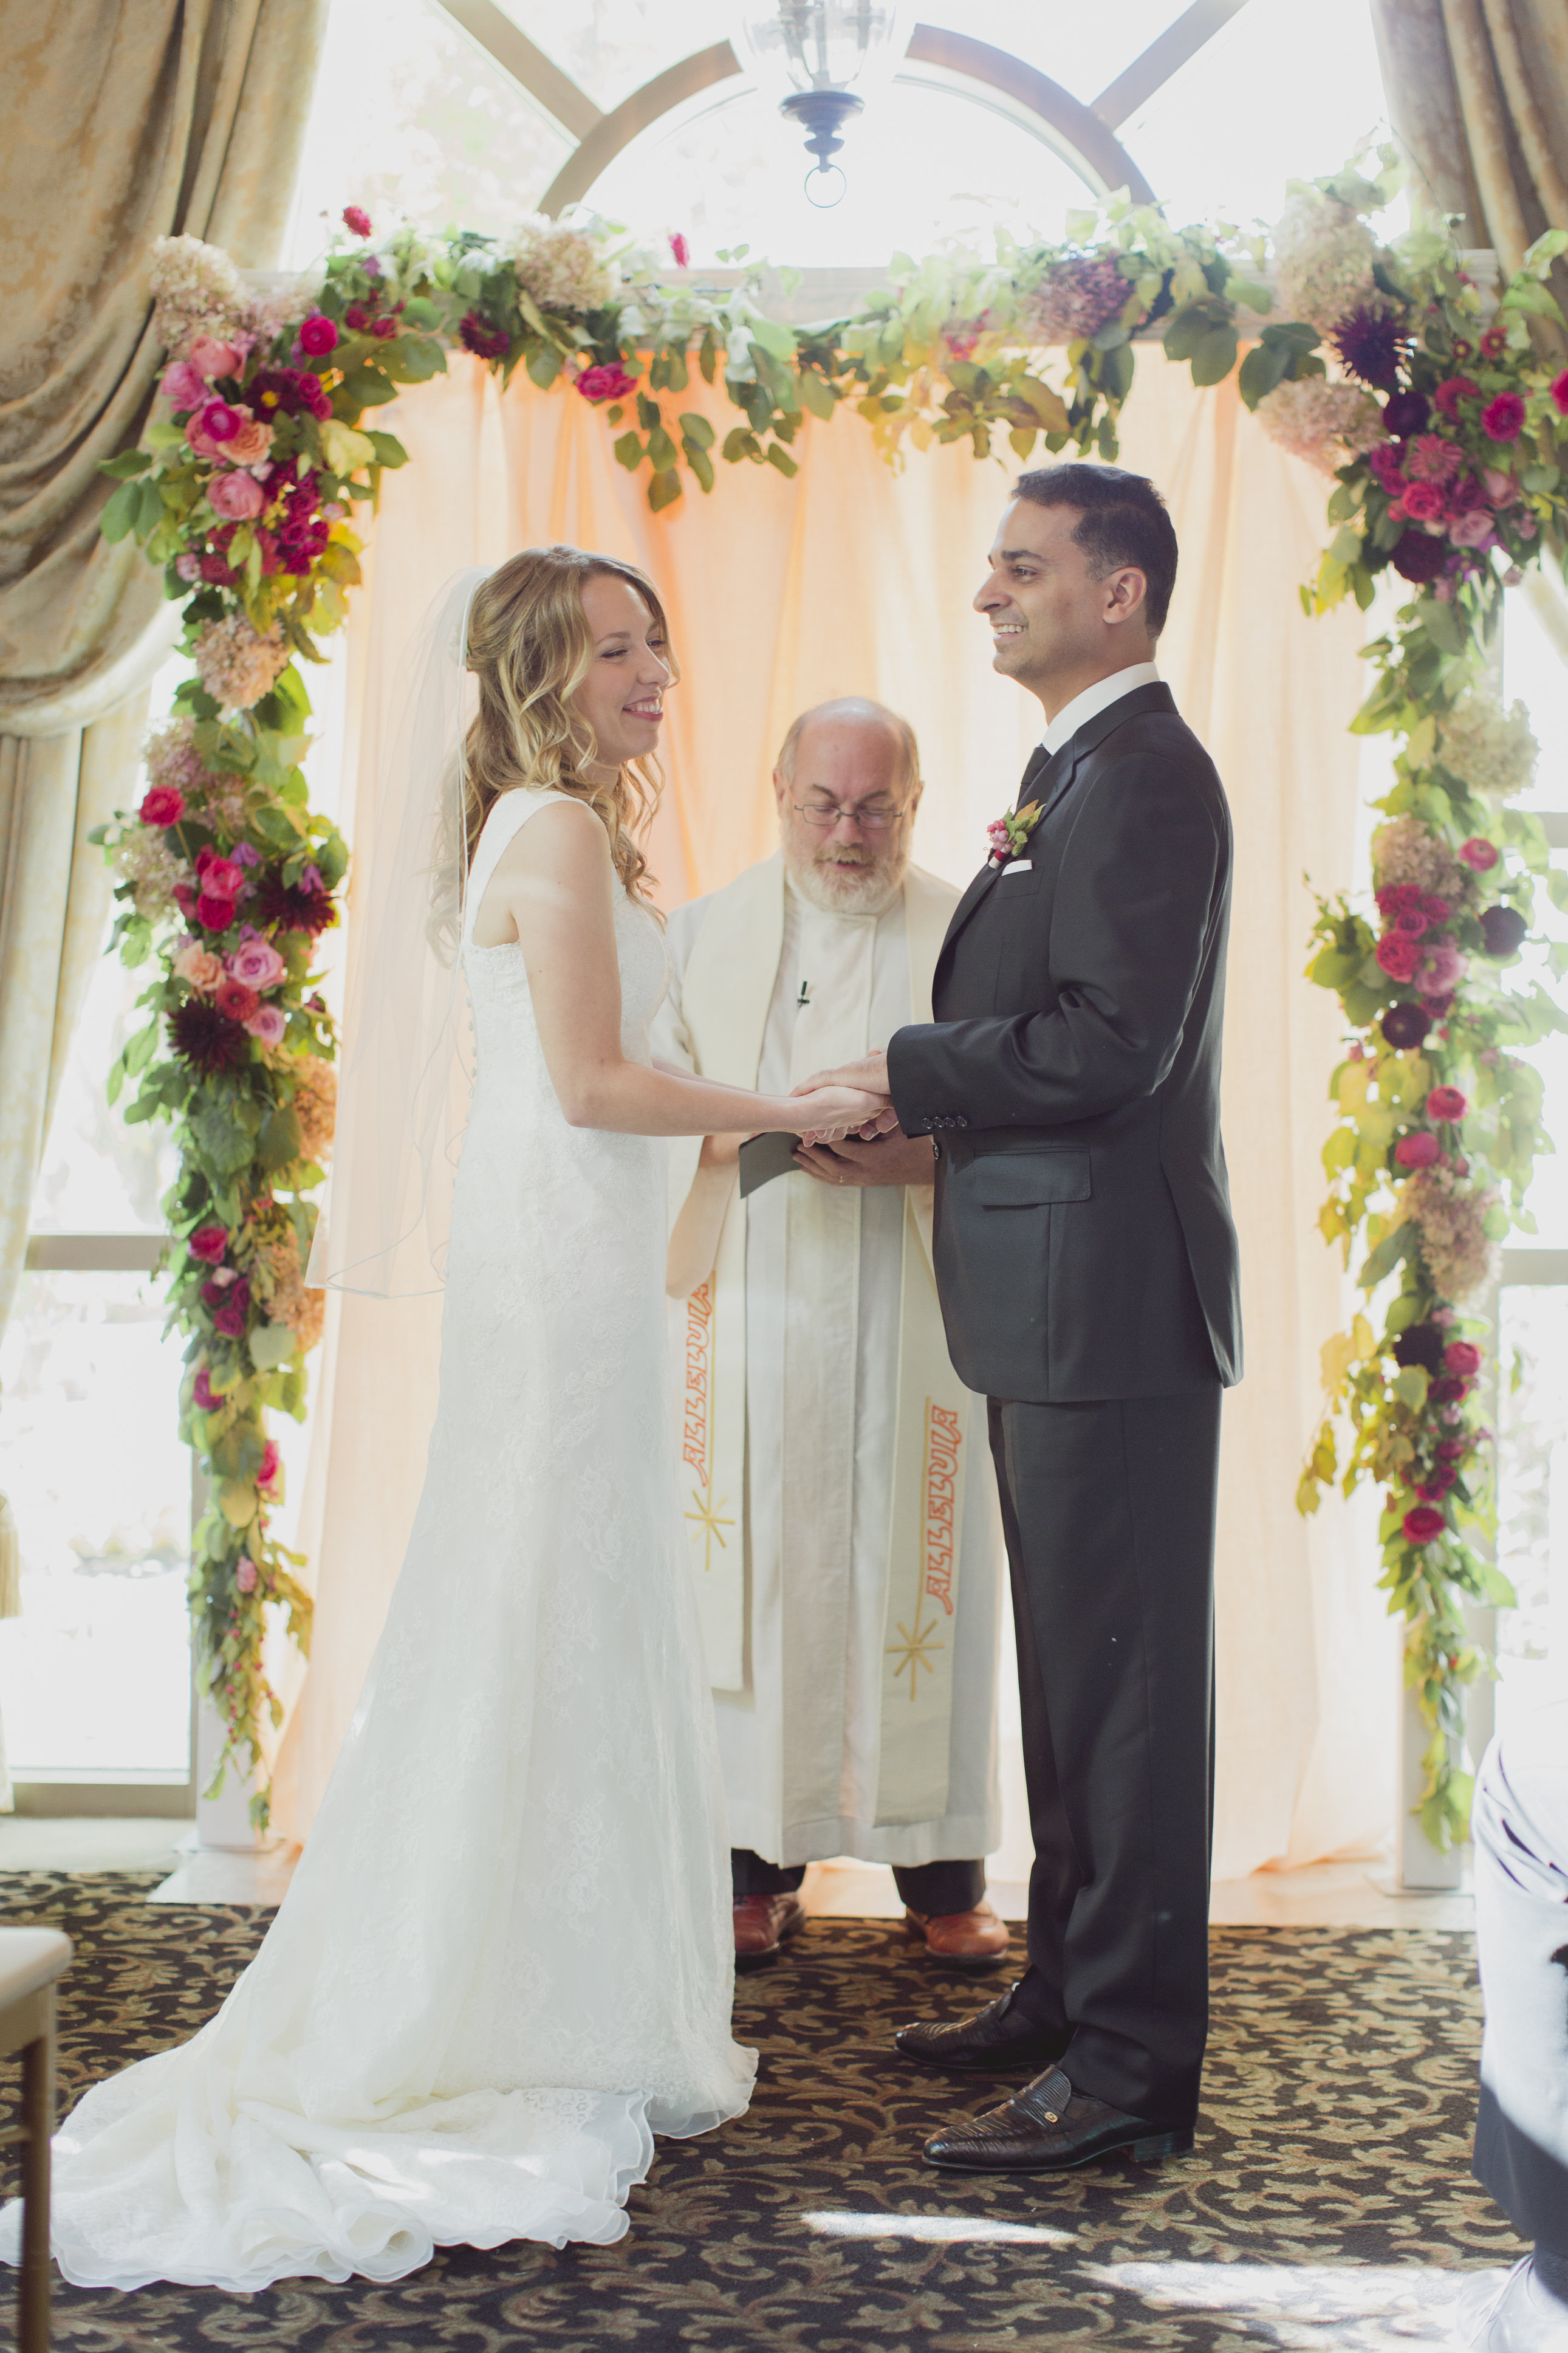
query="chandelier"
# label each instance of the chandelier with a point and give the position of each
(819, 58)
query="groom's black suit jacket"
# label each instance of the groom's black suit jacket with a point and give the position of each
(1084, 1242)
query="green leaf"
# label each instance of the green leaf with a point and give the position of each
(271, 1344)
(127, 466)
(787, 465)
(700, 463)
(1261, 371)
(665, 487)
(773, 336)
(1393, 1247)
(278, 1139)
(697, 428)
(220, 1139)
(389, 450)
(1215, 356)
(815, 395)
(1116, 371)
(543, 365)
(119, 514)
(661, 451)
(628, 451)
(366, 387)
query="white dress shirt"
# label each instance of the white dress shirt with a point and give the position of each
(1096, 699)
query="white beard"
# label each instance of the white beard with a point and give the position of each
(870, 891)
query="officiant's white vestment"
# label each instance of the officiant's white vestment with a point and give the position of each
(836, 1486)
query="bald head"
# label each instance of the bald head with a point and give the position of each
(847, 785)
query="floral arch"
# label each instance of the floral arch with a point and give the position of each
(1439, 420)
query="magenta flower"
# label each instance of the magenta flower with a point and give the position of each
(1417, 1151)
(202, 1394)
(356, 217)
(245, 1573)
(209, 1243)
(1502, 420)
(601, 383)
(1447, 1104)
(679, 249)
(317, 335)
(164, 805)
(1442, 968)
(1422, 1525)
(1398, 956)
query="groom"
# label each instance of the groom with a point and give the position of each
(1086, 1266)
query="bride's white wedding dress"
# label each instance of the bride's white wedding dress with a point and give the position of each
(506, 1957)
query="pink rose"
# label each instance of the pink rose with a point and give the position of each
(317, 335)
(182, 387)
(601, 383)
(1462, 1357)
(1472, 529)
(1502, 489)
(1398, 956)
(163, 805)
(269, 1023)
(200, 967)
(258, 964)
(215, 915)
(1417, 1151)
(188, 564)
(1446, 1103)
(210, 358)
(1478, 854)
(210, 1244)
(230, 1320)
(271, 1461)
(239, 498)
(1410, 925)
(219, 875)
(1502, 420)
(202, 1394)
(1441, 967)
(1422, 502)
(245, 1573)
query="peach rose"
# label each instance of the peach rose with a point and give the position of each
(200, 967)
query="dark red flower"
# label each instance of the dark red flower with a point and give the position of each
(1439, 1005)
(1423, 1524)
(384, 329)
(1398, 956)
(1502, 420)
(1418, 1150)
(1404, 1026)
(601, 383)
(1446, 1104)
(1502, 929)
(1418, 557)
(1419, 1344)
(1406, 414)
(484, 343)
(233, 997)
(1559, 392)
(204, 1038)
(1371, 343)
(1449, 1450)
(1494, 342)
(356, 217)
(230, 1319)
(288, 390)
(219, 573)
(1462, 1357)
(357, 318)
(164, 806)
(213, 913)
(1451, 391)
(209, 1243)
(290, 907)
(1411, 922)
(1449, 1391)
(202, 1393)
(317, 335)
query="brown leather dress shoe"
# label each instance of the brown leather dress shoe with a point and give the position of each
(1047, 2127)
(965, 1940)
(762, 1924)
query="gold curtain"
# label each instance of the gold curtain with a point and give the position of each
(853, 578)
(1477, 93)
(116, 125)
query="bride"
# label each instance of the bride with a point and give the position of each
(505, 1961)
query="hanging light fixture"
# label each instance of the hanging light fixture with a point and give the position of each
(819, 58)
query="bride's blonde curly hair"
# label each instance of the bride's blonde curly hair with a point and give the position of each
(529, 647)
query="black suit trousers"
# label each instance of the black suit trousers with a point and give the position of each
(1109, 1511)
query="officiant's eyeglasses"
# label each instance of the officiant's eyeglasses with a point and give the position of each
(824, 814)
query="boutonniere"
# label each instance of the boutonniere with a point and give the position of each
(1009, 834)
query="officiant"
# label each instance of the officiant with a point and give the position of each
(845, 1536)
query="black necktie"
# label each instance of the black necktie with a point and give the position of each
(1039, 759)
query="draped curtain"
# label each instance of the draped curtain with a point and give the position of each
(116, 125)
(854, 578)
(1477, 93)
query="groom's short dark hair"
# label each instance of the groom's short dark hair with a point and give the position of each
(1121, 518)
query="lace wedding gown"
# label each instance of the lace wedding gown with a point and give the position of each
(506, 1957)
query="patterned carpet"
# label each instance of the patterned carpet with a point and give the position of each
(1328, 2203)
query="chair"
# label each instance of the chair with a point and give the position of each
(30, 1961)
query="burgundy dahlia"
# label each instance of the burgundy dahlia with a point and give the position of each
(484, 343)
(1404, 1026)
(1502, 928)
(1420, 1343)
(286, 391)
(1371, 343)
(1406, 414)
(291, 906)
(1418, 557)
(205, 1039)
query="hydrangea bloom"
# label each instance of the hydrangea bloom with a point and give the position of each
(1493, 749)
(1074, 299)
(290, 1304)
(1406, 852)
(196, 290)
(154, 872)
(1323, 254)
(559, 267)
(1449, 1218)
(236, 665)
(1323, 423)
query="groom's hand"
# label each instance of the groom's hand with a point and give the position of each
(893, 1159)
(869, 1073)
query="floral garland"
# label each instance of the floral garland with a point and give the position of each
(244, 492)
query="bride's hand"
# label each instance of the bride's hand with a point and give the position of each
(825, 1114)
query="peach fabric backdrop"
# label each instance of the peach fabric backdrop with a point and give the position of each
(853, 578)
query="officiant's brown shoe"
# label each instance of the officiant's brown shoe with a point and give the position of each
(762, 1924)
(965, 1940)
(1047, 2127)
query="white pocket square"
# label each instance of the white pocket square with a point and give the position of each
(1019, 866)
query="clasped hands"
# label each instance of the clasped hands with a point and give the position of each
(874, 1152)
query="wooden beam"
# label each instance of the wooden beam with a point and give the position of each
(1161, 58)
(1082, 137)
(509, 48)
(617, 129)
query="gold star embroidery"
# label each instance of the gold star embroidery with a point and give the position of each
(912, 1650)
(707, 1516)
